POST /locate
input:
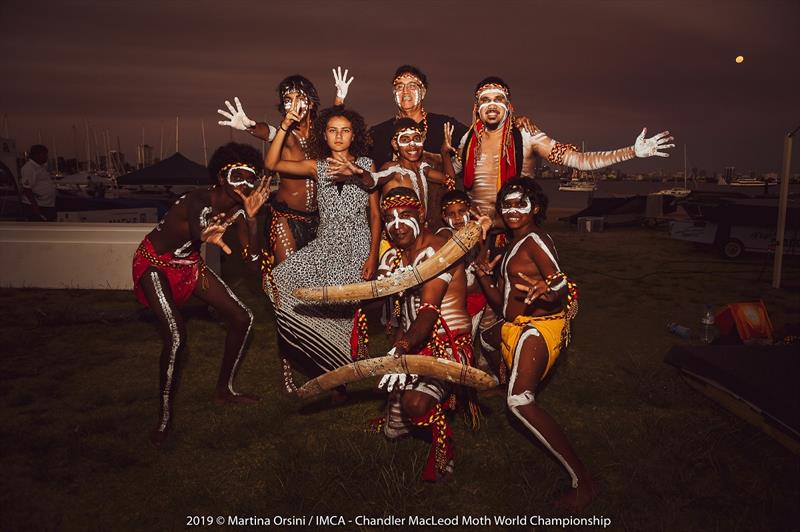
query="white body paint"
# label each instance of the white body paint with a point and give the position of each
(418, 180)
(515, 401)
(453, 311)
(173, 352)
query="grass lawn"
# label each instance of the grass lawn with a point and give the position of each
(79, 386)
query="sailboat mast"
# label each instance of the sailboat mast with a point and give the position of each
(205, 152)
(684, 165)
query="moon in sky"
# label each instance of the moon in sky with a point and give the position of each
(740, 59)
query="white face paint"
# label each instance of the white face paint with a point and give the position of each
(410, 222)
(502, 106)
(234, 182)
(410, 85)
(409, 132)
(300, 97)
(515, 196)
(451, 223)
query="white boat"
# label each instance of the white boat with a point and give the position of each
(678, 192)
(577, 185)
(746, 182)
(578, 182)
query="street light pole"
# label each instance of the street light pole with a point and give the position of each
(782, 207)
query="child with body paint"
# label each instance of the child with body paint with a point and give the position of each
(456, 213)
(536, 303)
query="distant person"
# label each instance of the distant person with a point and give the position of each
(38, 190)
(168, 269)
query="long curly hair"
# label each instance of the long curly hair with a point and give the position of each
(233, 152)
(360, 144)
(530, 188)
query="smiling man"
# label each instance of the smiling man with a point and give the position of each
(409, 87)
(433, 321)
(495, 149)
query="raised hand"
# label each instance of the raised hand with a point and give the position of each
(236, 118)
(216, 228)
(652, 146)
(447, 141)
(341, 83)
(484, 265)
(257, 198)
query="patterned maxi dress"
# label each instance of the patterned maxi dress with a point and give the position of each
(314, 336)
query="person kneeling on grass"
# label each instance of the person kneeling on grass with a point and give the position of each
(433, 320)
(536, 302)
(167, 269)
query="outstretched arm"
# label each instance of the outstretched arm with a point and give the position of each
(237, 119)
(568, 155)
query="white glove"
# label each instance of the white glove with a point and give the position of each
(398, 381)
(236, 118)
(341, 82)
(649, 147)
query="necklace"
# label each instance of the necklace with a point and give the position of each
(303, 143)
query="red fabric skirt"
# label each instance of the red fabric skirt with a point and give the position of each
(181, 273)
(475, 302)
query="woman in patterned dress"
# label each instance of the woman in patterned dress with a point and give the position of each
(317, 337)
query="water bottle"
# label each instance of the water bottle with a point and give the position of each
(708, 331)
(679, 330)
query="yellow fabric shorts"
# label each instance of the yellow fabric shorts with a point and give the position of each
(550, 328)
(385, 246)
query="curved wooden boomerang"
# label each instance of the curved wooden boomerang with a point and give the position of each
(463, 240)
(439, 368)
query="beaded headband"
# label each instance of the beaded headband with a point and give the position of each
(455, 202)
(400, 200)
(238, 164)
(408, 74)
(494, 86)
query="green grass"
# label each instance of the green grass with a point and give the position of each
(78, 387)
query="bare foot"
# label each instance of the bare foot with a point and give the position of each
(157, 437)
(226, 397)
(577, 499)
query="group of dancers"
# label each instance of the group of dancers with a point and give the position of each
(354, 204)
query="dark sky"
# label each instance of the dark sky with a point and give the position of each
(593, 71)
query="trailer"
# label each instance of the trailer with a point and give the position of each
(733, 240)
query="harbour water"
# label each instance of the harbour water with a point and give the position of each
(608, 188)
